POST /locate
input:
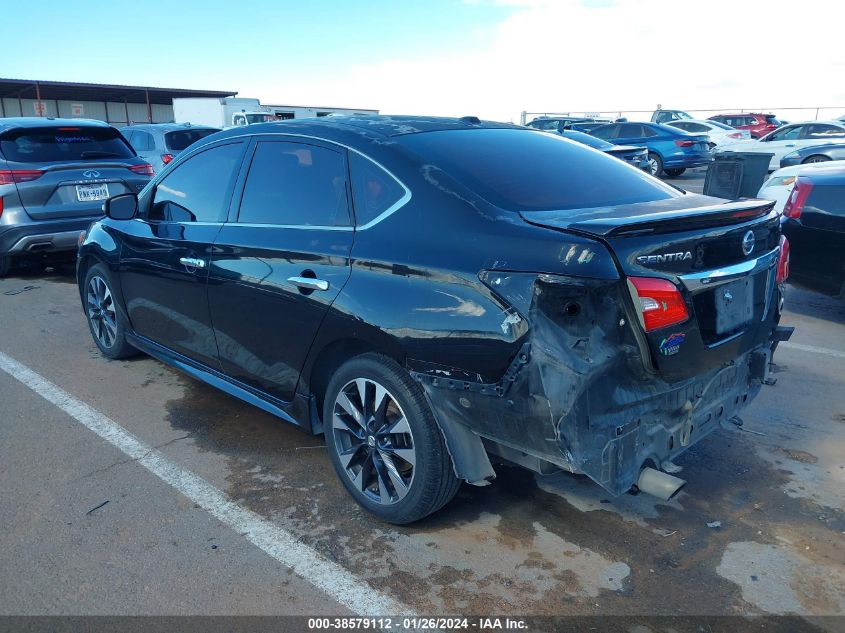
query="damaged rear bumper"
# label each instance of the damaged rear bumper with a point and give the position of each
(579, 397)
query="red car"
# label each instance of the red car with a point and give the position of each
(758, 124)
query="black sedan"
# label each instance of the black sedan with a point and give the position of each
(814, 224)
(814, 154)
(439, 295)
(636, 156)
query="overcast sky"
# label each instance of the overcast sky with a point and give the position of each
(491, 58)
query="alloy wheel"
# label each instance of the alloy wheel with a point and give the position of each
(652, 166)
(101, 312)
(374, 441)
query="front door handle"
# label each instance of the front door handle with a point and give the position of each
(192, 262)
(309, 283)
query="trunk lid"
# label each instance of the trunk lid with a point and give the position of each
(721, 256)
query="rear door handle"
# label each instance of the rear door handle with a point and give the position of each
(309, 283)
(192, 262)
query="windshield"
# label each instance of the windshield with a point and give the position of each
(526, 170)
(179, 140)
(63, 143)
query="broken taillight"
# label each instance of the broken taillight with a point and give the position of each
(659, 301)
(783, 260)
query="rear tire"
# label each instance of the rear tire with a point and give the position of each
(655, 164)
(816, 158)
(384, 442)
(674, 173)
(105, 319)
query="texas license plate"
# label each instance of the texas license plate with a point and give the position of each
(90, 193)
(734, 305)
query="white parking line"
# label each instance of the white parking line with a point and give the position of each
(814, 349)
(348, 589)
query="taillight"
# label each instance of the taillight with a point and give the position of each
(783, 260)
(1, 206)
(166, 158)
(659, 301)
(144, 170)
(681, 143)
(9, 176)
(795, 203)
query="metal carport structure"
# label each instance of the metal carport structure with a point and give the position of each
(115, 104)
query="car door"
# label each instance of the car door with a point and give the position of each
(817, 238)
(165, 252)
(280, 261)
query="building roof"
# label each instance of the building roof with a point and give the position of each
(70, 91)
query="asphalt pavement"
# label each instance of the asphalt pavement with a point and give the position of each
(128, 488)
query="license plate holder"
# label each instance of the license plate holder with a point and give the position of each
(92, 193)
(734, 304)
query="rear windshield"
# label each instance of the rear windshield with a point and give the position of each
(180, 140)
(525, 170)
(771, 118)
(65, 143)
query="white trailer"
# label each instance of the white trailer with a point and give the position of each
(223, 113)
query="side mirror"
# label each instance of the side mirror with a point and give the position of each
(122, 207)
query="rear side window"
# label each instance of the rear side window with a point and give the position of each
(374, 191)
(181, 139)
(523, 170)
(63, 143)
(199, 189)
(720, 125)
(142, 141)
(294, 184)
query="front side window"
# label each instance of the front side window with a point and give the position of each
(786, 133)
(526, 170)
(199, 189)
(374, 191)
(605, 132)
(52, 144)
(630, 130)
(294, 184)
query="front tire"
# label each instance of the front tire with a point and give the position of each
(105, 320)
(384, 443)
(655, 164)
(674, 173)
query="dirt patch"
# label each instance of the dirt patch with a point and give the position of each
(800, 456)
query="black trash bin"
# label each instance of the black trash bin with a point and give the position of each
(735, 175)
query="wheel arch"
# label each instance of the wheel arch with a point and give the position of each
(470, 461)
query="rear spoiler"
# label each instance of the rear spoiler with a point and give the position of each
(674, 220)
